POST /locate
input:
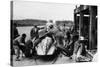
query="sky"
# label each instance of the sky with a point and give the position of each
(42, 10)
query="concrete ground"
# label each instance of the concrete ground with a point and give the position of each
(30, 62)
(60, 60)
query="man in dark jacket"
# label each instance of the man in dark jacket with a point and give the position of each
(34, 32)
(15, 31)
(14, 35)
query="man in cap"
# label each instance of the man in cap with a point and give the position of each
(80, 51)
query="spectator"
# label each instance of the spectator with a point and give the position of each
(15, 31)
(15, 34)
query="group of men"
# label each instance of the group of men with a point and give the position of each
(69, 45)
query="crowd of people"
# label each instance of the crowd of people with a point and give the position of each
(68, 44)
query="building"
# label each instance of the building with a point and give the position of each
(85, 20)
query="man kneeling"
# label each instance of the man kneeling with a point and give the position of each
(19, 45)
(80, 52)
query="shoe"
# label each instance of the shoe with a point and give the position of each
(17, 59)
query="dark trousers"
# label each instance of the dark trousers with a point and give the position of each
(67, 51)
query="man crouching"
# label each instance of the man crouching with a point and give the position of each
(19, 45)
(81, 54)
